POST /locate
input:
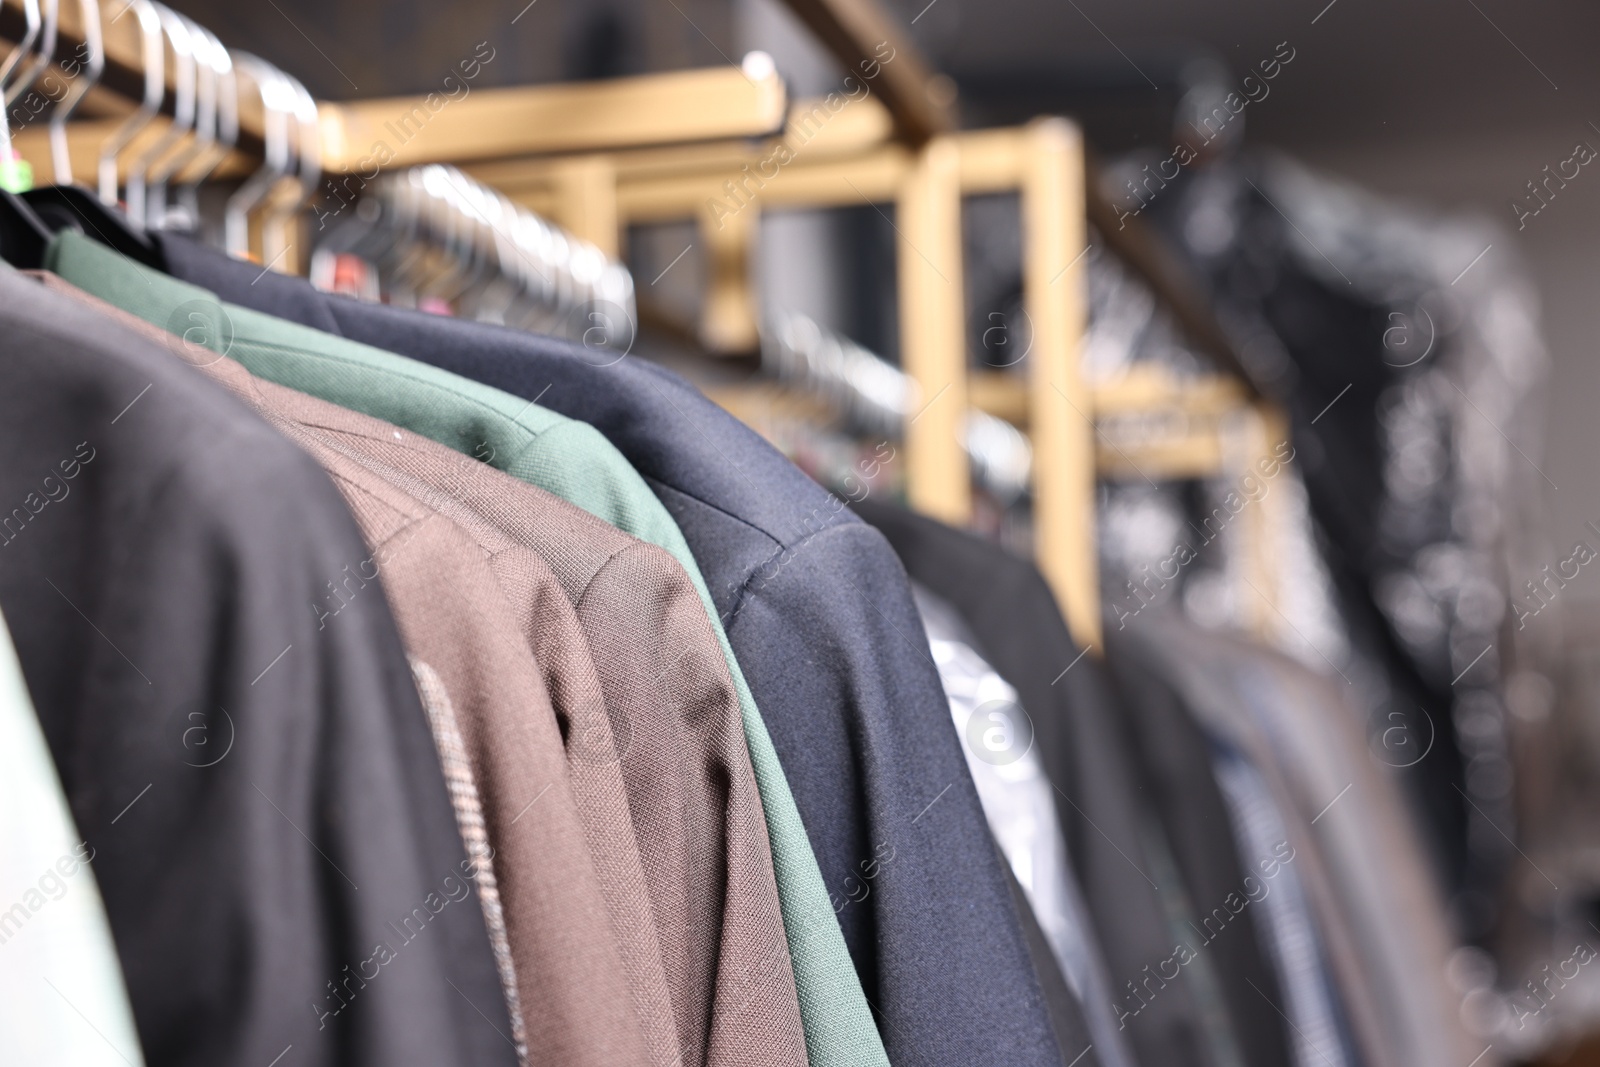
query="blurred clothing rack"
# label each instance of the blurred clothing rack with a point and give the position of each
(598, 157)
(846, 155)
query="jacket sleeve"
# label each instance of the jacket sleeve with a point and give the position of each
(888, 803)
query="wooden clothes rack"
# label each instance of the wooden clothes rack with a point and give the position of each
(849, 156)
(598, 157)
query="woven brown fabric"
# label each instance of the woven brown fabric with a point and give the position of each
(453, 615)
(675, 716)
(582, 1005)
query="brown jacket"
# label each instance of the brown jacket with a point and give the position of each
(557, 892)
(697, 814)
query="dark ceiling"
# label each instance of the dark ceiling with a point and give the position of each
(1379, 71)
(1363, 69)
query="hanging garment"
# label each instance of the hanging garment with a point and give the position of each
(1181, 785)
(1007, 605)
(1065, 1007)
(696, 810)
(819, 614)
(1285, 885)
(1412, 384)
(147, 544)
(1366, 877)
(718, 923)
(577, 464)
(1318, 1031)
(997, 740)
(61, 994)
(483, 685)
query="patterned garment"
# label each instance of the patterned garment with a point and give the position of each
(474, 833)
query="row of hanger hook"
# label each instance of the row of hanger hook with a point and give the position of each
(205, 120)
(500, 260)
(433, 231)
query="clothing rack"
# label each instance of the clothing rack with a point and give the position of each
(846, 155)
(568, 613)
(167, 63)
(596, 158)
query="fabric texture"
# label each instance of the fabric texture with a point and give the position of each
(817, 610)
(577, 464)
(1013, 616)
(545, 801)
(1063, 1004)
(1287, 927)
(678, 736)
(147, 545)
(696, 810)
(61, 994)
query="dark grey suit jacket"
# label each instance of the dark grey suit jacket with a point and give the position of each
(263, 796)
(1112, 782)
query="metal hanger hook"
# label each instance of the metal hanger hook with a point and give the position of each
(176, 30)
(277, 101)
(60, 148)
(154, 57)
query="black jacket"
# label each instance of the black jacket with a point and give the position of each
(261, 792)
(1112, 767)
(819, 612)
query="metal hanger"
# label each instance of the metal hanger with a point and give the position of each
(433, 232)
(60, 148)
(227, 130)
(23, 50)
(539, 265)
(153, 56)
(176, 30)
(456, 222)
(204, 128)
(874, 397)
(38, 60)
(8, 154)
(307, 153)
(23, 237)
(549, 285)
(66, 206)
(400, 264)
(277, 101)
(482, 244)
(373, 232)
(504, 288)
